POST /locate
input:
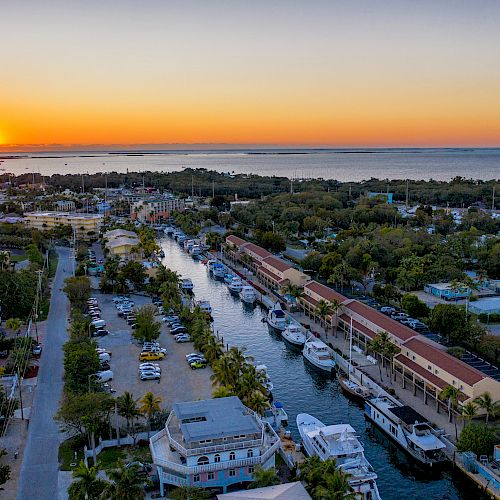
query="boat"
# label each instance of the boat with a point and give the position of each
(181, 239)
(187, 285)
(205, 306)
(247, 294)
(228, 277)
(275, 416)
(348, 385)
(188, 245)
(169, 230)
(218, 270)
(276, 318)
(267, 383)
(294, 334)
(341, 443)
(317, 353)
(235, 285)
(196, 250)
(408, 429)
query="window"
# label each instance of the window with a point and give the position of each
(232, 456)
(210, 476)
(217, 458)
(429, 367)
(203, 461)
(436, 371)
(249, 453)
(413, 357)
(196, 478)
(251, 469)
(232, 472)
(393, 430)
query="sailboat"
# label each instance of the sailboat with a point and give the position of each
(349, 386)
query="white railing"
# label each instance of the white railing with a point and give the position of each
(172, 479)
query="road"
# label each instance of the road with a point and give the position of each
(40, 467)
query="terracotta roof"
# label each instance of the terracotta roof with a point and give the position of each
(278, 264)
(324, 291)
(421, 371)
(274, 277)
(382, 321)
(311, 301)
(261, 252)
(445, 361)
(236, 241)
(356, 324)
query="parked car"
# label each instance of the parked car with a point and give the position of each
(399, 316)
(195, 365)
(102, 349)
(99, 323)
(154, 349)
(105, 365)
(151, 356)
(179, 329)
(387, 310)
(195, 355)
(37, 350)
(182, 338)
(104, 376)
(149, 365)
(149, 376)
(100, 333)
(104, 356)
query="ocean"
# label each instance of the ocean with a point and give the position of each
(345, 165)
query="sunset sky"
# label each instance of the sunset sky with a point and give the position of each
(291, 72)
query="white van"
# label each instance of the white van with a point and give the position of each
(98, 323)
(104, 376)
(104, 356)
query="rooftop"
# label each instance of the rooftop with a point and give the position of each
(67, 215)
(277, 263)
(261, 252)
(287, 491)
(235, 240)
(215, 419)
(324, 291)
(408, 415)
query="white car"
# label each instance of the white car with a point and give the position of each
(154, 349)
(150, 376)
(147, 366)
(101, 350)
(182, 338)
(151, 344)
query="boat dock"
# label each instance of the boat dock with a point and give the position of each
(288, 450)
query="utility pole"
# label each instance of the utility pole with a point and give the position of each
(213, 189)
(20, 392)
(407, 183)
(493, 199)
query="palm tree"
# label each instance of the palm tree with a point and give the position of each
(336, 487)
(378, 345)
(224, 372)
(86, 485)
(469, 411)
(127, 407)
(13, 324)
(222, 392)
(190, 493)
(126, 484)
(389, 352)
(323, 309)
(264, 477)
(258, 402)
(335, 306)
(150, 404)
(450, 394)
(485, 401)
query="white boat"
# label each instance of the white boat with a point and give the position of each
(275, 416)
(188, 245)
(235, 285)
(218, 270)
(262, 369)
(340, 443)
(294, 334)
(169, 230)
(276, 318)
(409, 429)
(205, 306)
(317, 353)
(187, 285)
(228, 277)
(247, 294)
(196, 250)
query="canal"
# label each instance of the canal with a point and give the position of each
(302, 389)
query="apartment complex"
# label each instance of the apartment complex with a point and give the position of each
(155, 209)
(212, 444)
(87, 226)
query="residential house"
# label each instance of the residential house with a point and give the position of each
(122, 244)
(446, 292)
(212, 444)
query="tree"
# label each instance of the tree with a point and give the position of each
(78, 290)
(342, 274)
(491, 408)
(469, 411)
(264, 477)
(127, 408)
(451, 394)
(149, 405)
(34, 255)
(272, 241)
(190, 493)
(379, 345)
(464, 284)
(147, 328)
(13, 324)
(450, 321)
(80, 362)
(323, 310)
(329, 262)
(86, 484)
(4, 469)
(135, 272)
(414, 306)
(126, 483)
(478, 438)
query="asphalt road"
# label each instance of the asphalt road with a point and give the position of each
(40, 467)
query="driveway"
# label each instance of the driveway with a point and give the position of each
(40, 466)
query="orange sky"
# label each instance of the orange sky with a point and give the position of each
(292, 73)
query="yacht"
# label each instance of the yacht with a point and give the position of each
(235, 285)
(187, 285)
(247, 294)
(266, 379)
(409, 429)
(196, 250)
(228, 277)
(205, 306)
(276, 416)
(169, 230)
(276, 318)
(340, 443)
(218, 270)
(294, 334)
(181, 239)
(317, 353)
(188, 245)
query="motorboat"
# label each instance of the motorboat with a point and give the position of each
(318, 354)
(409, 429)
(267, 383)
(235, 285)
(218, 270)
(196, 250)
(276, 318)
(205, 306)
(247, 294)
(294, 334)
(188, 245)
(352, 388)
(228, 277)
(339, 442)
(275, 416)
(187, 285)
(169, 230)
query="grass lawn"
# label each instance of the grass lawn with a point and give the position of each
(67, 453)
(17, 258)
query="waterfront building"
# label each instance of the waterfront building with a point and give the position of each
(275, 273)
(122, 244)
(155, 209)
(213, 443)
(86, 226)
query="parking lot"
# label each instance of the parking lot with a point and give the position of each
(178, 381)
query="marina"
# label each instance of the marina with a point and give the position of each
(300, 387)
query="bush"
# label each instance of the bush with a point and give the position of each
(414, 306)
(478, 438)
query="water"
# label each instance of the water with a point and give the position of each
(343, 165)
(302, 389)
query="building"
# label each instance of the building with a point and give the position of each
(65, 206)
(487, 306)
(155, 209)
(212, 444)
(87, 226)
(121, 243)
(275, 273)
(446, 292)
(287, 491)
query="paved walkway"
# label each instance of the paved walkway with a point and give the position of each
(40, 466)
